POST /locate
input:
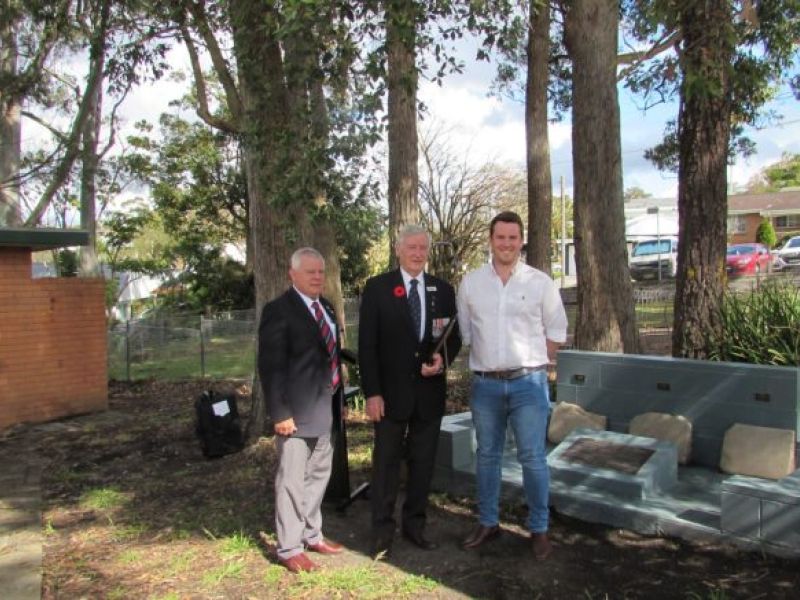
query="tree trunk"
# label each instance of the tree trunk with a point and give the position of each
(606, 319)
(265, 135)
(10, 128)
(540, 192)
(89, 266)
(402, 90)
(704, 131)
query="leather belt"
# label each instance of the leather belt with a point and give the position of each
(510, 373)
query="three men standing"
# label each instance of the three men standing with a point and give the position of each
(512, 317)
(402, 314)
(300, 371)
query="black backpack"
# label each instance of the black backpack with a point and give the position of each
(217, 424)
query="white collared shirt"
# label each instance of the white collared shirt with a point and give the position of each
(420, 291)
(308, 300)
(506, 326)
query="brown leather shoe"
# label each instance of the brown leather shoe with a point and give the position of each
(298, 562)
(541, 546)
(480, 535)
(326, 547)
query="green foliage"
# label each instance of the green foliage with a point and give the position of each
(783, 174)
(765, 51)
(67, 263)
(761, 327)
(765, 234)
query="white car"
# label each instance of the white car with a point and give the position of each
(790, 252)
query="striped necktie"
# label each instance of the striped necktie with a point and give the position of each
(330, 343)
(415, 306)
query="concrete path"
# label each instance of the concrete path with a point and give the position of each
(20, 525)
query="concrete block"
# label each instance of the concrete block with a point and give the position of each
(659, 473)
(780, 523)
(758, 451)
(740, 515)
(567, 416)
(669, 428)
(456, 448)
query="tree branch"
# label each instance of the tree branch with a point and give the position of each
(218, 60)
(200, 88)
(634, 59)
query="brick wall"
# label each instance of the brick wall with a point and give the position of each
(52, 343)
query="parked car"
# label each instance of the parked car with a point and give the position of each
(647, 254)
(747, 259)
(790, 251)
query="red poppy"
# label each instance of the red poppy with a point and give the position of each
(399, 291)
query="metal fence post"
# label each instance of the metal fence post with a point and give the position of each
(202, 350)
(128, 350)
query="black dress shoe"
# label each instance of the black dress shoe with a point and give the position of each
(480, 535)
(419, 540)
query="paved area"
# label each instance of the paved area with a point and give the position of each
(20, 525)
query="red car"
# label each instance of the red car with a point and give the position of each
(747, 259)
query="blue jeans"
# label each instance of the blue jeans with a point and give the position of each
(524, 402)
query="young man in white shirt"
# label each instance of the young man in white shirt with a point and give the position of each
(512, 317)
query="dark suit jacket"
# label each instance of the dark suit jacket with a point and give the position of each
(390, 355)
(294, 366)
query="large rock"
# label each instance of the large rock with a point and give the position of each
(669, 428)
(758, 451)
(567, 417)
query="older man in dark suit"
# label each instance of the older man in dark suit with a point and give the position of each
(403, 312)
(299, 368)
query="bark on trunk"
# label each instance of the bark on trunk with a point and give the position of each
(10, 129)
(606, 319)
(265, 133)
(89, 158)
(402, 90)
(540, 193)
(704, 132)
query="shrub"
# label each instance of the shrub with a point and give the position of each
(765, 234)
(761, 327)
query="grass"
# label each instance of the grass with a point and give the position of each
(227, 570)
(103, 499)
(362, 582)
(237, 545)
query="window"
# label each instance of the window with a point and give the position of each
(787, 222)
(737, 224)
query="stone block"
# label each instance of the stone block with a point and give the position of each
(566, 417)
(666, 427)
(758, 451)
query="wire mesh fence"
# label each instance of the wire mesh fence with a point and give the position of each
(222, 345)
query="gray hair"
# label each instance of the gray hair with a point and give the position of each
(298, 255)
(412, 229)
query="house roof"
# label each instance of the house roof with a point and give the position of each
(42, 238)
(770, 204)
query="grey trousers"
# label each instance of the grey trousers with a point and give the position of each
(304, 467)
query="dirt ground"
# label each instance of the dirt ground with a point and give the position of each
(133, 510)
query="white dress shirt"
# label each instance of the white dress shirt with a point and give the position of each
(308, 300)
(421, 292)
(506, 326)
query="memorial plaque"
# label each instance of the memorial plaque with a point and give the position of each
(602, 454)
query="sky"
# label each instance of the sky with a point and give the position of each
(488, 128)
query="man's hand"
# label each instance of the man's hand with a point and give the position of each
(434, 367)
(375, 408)
(286, 427)
(345, 375)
